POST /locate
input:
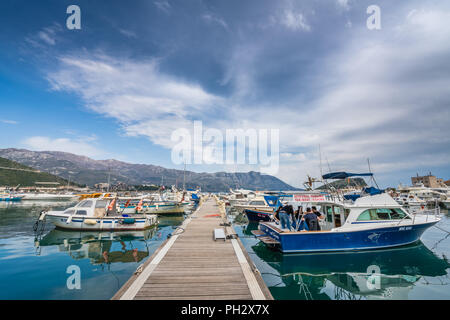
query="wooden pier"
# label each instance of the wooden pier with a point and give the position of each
(191, 265)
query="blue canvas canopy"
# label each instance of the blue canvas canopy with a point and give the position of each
(345, 175)
(194, 196)
(352, 197)
(373, 191)
(273, 201)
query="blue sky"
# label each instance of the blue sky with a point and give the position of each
(139, 70)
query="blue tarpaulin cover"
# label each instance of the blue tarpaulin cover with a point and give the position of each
(373, 191)
(352, 197)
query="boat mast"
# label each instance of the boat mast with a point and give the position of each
(109, 179)
(184, 176)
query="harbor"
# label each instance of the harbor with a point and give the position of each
(224, 159)
(213, 250)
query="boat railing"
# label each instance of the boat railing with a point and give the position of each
(435, 212)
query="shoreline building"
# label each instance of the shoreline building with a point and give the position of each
(428, 181)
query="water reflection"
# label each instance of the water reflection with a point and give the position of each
(98, 246)
(380, 274)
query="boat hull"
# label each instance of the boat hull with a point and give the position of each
(155, 209)
(254, 215)
(102, 224)
(329, 241)
(11, 199)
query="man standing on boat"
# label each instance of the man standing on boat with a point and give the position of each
(319, 216)
(284, 216)
(311, 220)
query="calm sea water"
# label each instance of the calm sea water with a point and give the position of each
(36, 268)
(420, 271)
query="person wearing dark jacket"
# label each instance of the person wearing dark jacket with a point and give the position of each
(319, 216)
(311, 220)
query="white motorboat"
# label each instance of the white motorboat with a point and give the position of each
(48, 196)
(97, 214)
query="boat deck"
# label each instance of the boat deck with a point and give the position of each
(191, 265)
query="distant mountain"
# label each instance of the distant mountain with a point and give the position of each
(23, 175)
(84, 170)
(339, 184)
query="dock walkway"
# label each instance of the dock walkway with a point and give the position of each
(190, 265)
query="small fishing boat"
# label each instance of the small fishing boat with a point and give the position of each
(369, 222)
(151, 206)
(32, 196)
(98, 214)
(10, 197)
(260, 203)
(258, 215)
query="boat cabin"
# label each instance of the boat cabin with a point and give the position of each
(97, 208)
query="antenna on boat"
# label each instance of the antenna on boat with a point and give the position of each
(320, 161)
(329, 167)
(370, 171)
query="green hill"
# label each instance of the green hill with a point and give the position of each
(25, 176)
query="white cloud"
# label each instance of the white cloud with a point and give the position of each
(144, 100)
(128, 33)
(163, 5)
(294, 21)
(46, 36)
(9, 121)
(344, 4)
(211, 18)
(81, 146)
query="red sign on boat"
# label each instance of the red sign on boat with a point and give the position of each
(309, 197)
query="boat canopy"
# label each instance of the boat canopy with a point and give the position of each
(273, 201)
(194, 196)
(373, 191)
(345, 175)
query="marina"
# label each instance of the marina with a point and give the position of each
(109, 260)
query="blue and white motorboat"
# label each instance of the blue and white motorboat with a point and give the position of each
(9, 197)
(369, 222)
(98, 214)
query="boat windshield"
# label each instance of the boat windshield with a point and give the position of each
(85, 204)
(101, 203)
(382, 214)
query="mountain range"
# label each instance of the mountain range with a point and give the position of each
(87, 171)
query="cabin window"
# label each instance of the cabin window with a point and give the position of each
(346, 213)
(257, 203)
(398, 214)
(82, 212)
(329, 212)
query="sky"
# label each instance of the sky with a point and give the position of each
(139, 70)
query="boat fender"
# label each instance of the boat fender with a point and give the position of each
(69, 220)
(90, 222)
